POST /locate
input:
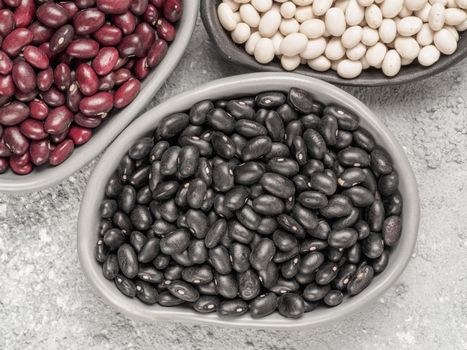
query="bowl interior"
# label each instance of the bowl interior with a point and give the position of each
(371, 77)
(231, 87)
(115, 122)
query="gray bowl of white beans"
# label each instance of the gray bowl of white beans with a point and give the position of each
(352, 42)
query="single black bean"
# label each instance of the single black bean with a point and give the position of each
(351, 177)
(301, 183)
(197, 251)
(249, 285)
(278, 150)
(321, 231)
(263, 305)
(240, 233)
(250, 128)
(233, 308)
(165, 190)
(360, 196)
(223, 145)
(393, 204)
(346, 119)
(310, 121)
(114, 238)
(123, 222)
(343, 139)
(376, 214)
(240, 254)
(354, 157)
(338, 206)
(343, 238)
(149, 251)
(199, 112)
(347, 221)
(314, 292)
(335, 254)
(326, 273)
(158, 150)
(287, 113)
(380, 264)
(310, 262)
(262, 254)
(110, 268)
(311, 245)
(127, 260)
(215, 233)
(291, 305)
(284, 286)
(168, 299)
(323, 182)
(127, 199)
(270, 99)
(169, 210)
(141, 218)
(289, 224)
(256, 148)
(370, 180)
(175, 242)
(222, 177)
(141, 148)
(388, 184)
(126, 168)
(144, 195)
(125, 285)
(305, 278)
(140, 177)
(362, 138)
(334, 298)
(392, 229)
(161, 261)
(313, 199)
(206, 304)
(248, 217)
(150, 274)
(155, 175)
(114, 186)
(275, 126)
(201, 274)
(328, 128)
(196, 193)
(354, 253)
(278, 185)
(188, 159)
(315, 143)
(299, 150)
(283, 166)
(219, 259)
(220, 120)
(344, 276)
(267, 204)
(300, 100)
(362, 279)
(220, 208)
(305, 217)
(169, 161)
(183, 259)
(183, 290)
(173, 272)
(290, 268)
(204, 147)
(197, 222)
(240, 110)
(267, 226)
(236, 198)
(146, 293)
(171, 125)
(381, 162)
(226, 285)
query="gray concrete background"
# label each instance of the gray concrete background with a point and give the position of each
(45, 302)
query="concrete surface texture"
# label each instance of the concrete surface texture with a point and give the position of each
(45, 302)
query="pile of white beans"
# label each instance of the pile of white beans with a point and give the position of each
(347, 36)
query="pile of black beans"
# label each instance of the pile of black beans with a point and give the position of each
(260, 203)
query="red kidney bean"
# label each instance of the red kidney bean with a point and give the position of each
(58, 120)
(83, 48)
(21, 160)
(113, 7)
(12, 3)
(24, 13)
(126, 93)
(45, 79)
(157, 52)
(108, 35)
(7, 22)
(57, 138)
(16, 40)
(36, 57)
(121, 76)
(126, 22)
(79, 135)
(62, 76)
(172, 10)
(3, 165)
(7, 86)
(157, 3)
(105, 60)
(73, 97)
(131, 45)
(165, 29)
(107, 82)
(151, 15)
(54, 97)
(62, 38)
(6, 64)
(46, 48)
(13, 113)
(70, 8)
(15, 140)
(141, 68)
(122, 63)
(40, 33)
(38, 110)
(87, 122)
(61, 152)
(130, 63)
(33, 129)
(52, 15)
(26, 97)
(146, 34)
(88, 21)
(138, 6)
(4, 150)
(84, 4)
(87, 79)
(39, 152)
(24, 76)
(20, 169)
(97, 105)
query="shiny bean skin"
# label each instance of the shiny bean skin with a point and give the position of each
(220, 260)
(233, 308)
(268, 205)
(263, 305)
(240, 254)
(262, 254)
(188, 159)
(206, 304)
(291, 305)
(249, 285)
(256, 148)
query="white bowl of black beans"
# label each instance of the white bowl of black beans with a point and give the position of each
(266, 200)
(39, 160)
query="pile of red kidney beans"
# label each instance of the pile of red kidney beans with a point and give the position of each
(65, 65)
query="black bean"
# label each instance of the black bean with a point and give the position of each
(267, 204)
(262, 254)
(149, 251)
(344, 276)
(240, 233)
(141, 148)
(376, 214)
(381, 162)
(311, 245)
(114, 238)
(310, 121)
(346, 119)
(125, 285)
(388, 184)
(220, 208)
(161, 261)
(335, 254)
(169, 161)
(326, 273)
(305, 278)
(278, 150)
(354, 157)
(110, 268)
(146, 293)
(347, 221)
(183, 290)
(270, 99)
(362, 279)
(263, 305)
(236, 198)
(114, 186)
(215, 233)
(267, 226)
(351, 177)
(182, 259)
(141, 218)
(222, 177)
(301, 100)
(370, 180)
(362, 138)
(291, 305)
(240, 254)
(287, 113)
(393, 204)
(256, 148)
(275, 126)
(321, 231)
(188, 159)
(150, 274)
(219, 259)
(127, 260)
(223, 145)
(199, 111)
(172, 125)
(310, 262)
(122, 221)
(165, 190)
(392, 229)
(315, 143)
(127, 199)
(343, 238)
(201, 274)
(250, 128)
(240, 110)
(144, 195)
(197, 252)
(204, 147)
(305, 217)
(233, 308)
(220, 120)
(248, 217)
(249, 285)
(343, 139)
(206, 304)
(226, 285)
(360, 196)
(283, 166)
(158, 150)
(175, 242)
(321, 181)
(380, 264)
(328, 128)
(140, 177)
(168, 299)
(334, 298)
(196, 193)
(338, 206)
(126, 168)
(278, 185)
(290, 268)
(313, 199)
(314, 292)
(283, 286)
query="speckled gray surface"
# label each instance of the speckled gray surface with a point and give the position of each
(45, 302)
